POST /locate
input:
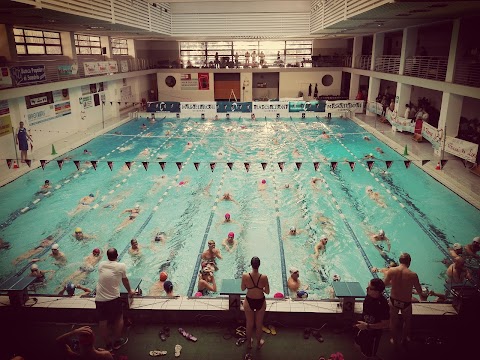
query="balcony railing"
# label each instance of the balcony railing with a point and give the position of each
(467, 73)
(363, 62)
(427, 67)
(388, 64)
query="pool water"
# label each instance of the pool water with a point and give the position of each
(420, 216)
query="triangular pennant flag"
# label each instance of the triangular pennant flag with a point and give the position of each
(128, 164)
(162, 165)
(126, 103)
(315, 165)
(424, 162)
(118, 102)
(352, 165)
(281, 165)
(388, 163)
(29, 162)
(299, 165)
(111, 102)
(145, 165)
(77, 164)
(407, 163)
(196, 164)
(43, 162)
(110, 165)
(179, 165)
(230, 165)
(333, 165)
(212, 166)
(264, 165)
(370, 164)
(94, 164)
(247, 166)
(60, 164)
(103, 102)
(442, 163)
(9, 163)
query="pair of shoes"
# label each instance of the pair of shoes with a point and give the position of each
(241, 331)
(178, 349)
(240, 341)
(187, 335)
(266, 330)
(156, 353)
(119, 343)
(272, 329)
(316, 334)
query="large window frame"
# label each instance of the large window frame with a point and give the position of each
(119, 46)
(87, 44)
(37, 42)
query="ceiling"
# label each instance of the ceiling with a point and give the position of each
(387, 17)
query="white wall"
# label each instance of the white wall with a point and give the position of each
(166, 93)
(293, 82)
(330, 47)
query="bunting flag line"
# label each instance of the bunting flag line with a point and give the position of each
(179, 165)
(298, 165)
(212, 166)
(388, 163)
(442, 163)
(333, 165)
(407, 163)
(110, 165)
(424, 162)
(42, 163)
(370, 164)
(129, 164)
(264, 165)
(315, 165)
(29, 162)
(60, 164)
(281, 165)
(162, 165)
(352, 165)
(9, 163)
(94, 164)
(145, 165)
(77, 164)
(196, 164)
(230, 165)
(247, 166)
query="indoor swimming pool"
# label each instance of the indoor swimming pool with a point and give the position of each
(419, 215)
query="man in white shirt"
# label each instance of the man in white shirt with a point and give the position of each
(107, 299)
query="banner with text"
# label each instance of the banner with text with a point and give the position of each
(5, 125)
(432, 134)
(100, 67)
(303, 106)
(461, 148)
(163, 106)
(5, 78)
(375, 108)
(400, 124)
(4, 109)
(339, 105)
(196, 109)
(270, 108)
(229, 106)
(23, 75)
(67, 70)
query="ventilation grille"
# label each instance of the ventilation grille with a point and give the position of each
(94, 9)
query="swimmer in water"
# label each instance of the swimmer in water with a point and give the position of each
(60, 258)
(27, 255)
(296, 153)
(378, 240)
(143, 126)
(131, 218)
(262, 185)
(84, 203)
(369, 156)
(4, 245)
(145, 152)
(321, 247)
(325, 135)
(188, 146)
(366, 138)
(228, 197)
(88, 265)
(86, 152)
(292, 231)
(125, 148)
(379, 150)
(375, 196)
(183, 182)
(44, 188)
(118, 133)
(134, 247)
(313, 182)
(229, 242)
(79, 235)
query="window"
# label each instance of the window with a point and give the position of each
(296, 51)
(195, 52)
(37, 42)
(87, 45)
(119, 47)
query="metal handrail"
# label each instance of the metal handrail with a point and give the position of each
(467, 73)
(363, 62)
(427, 67)
(388, 64)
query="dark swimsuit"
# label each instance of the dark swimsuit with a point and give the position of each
(401, 305)
(255, 304)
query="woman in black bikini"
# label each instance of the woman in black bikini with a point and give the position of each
(254, 304)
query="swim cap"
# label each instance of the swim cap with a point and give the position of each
(278, 295)
(264, 181)
(302, 294)
(336, 277)
(424, 289)
(370, 154)
(381, 232)
(34, 267)
(198, 294)
(181, 183)
(158, 237)
(91, 195)
(168, 286)
(324, 237)
(231, 234)
(55, 247)
(476, 239)
(137, 206)
(293, 228)
(227, 216)
(293, 270)
(70, 288)
(47, 181)
(96, 251)
(78, 230)
(163, 276)
(368, 188)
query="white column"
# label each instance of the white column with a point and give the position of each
(409, 46)
(377, 48)
(450, 113)
(357, 50)
(354, 86)
(402, 98)
(452, 55)
(373, 89)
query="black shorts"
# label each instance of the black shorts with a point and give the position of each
(109, 310)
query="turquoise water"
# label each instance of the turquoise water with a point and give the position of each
(421, 216)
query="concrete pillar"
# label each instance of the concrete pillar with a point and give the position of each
(452, 55)
(402, 97)
(450, 113)
(68, 44)
(377, 48)
(354, 86)
(409, 46)
(9, 49)
(373, 89)
(357, 50)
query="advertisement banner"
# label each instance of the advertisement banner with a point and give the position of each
(60, 95)
(41, 115)
(100, 67)
(203, 81)
(86, 101)
(189, 81)
(67, 70)
(401, 124)
(123, 65)
(23, 75)
(270, 108)
(432, 134)
(461, 148)
(62, 109)
(5, 125)
(4, 109)
(209, 109)
(5, 78)
(304, 106)
(40, 99)
(233, 106)
(353, 105)
(163, 106)
(375, 108)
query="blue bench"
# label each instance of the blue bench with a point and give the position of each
(17, 289)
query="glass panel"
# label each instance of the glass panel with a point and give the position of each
(17, 31)
(95, 43)
(96, 51)
(33, 33)
(192, 45)
(115, 51)
(54, 50)
(19, 39)
(124, 51)
(83, 37)
(21, 50)
(34, 40)
(53, 35)
(35, 49)
(299, 52)
(85, 50)
(95, 38)
(83, 43)
(52, 41)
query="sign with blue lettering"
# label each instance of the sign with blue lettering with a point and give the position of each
(23, 75)
(163, 106)
(234, 106)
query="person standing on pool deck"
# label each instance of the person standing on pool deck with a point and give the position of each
(402, 280)
(107, 298)
(255, 305)
(22, 141)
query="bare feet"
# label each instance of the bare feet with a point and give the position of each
(260, 344)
